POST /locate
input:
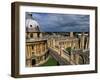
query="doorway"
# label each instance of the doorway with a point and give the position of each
(33, 62)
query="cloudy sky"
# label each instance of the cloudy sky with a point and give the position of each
(51, 22)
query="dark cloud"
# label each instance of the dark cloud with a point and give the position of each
(50, 22)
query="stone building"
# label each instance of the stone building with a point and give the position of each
(79, 47)
(59, 42)
(83, 40)
(36, 46)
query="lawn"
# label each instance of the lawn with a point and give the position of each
(51, 62)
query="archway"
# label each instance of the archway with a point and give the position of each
(33, 62)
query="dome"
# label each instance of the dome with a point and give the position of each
(32, 25)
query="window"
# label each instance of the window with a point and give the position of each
(30, 25)
(38, 35)
(32, 46)
(33, 62)
(31, 35)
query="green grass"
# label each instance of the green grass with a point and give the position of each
(51, 62)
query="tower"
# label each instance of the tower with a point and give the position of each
(71, 34)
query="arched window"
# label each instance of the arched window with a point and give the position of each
(32, 46)
(31, 35)
(33, 62)
(38, 35)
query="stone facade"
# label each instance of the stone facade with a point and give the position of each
(37, 44)
(36, 50)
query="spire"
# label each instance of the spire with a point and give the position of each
(71, 34)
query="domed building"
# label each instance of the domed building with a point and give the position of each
(31, 24)
(36, 45)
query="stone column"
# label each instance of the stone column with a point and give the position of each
(34, 48)
(26, 51)
(37, 48)
(50, 43)
(83, 40)
(53, 43)
(41, 35)
(45, 47)
(79, 37)
(35, 35)
(29, 59)
(28, 34)
(72, 57)
(26, 56)
(77, 58)
(30, 51)
(72, 46)
(41, 49)
(87, 43)
(79, 42)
